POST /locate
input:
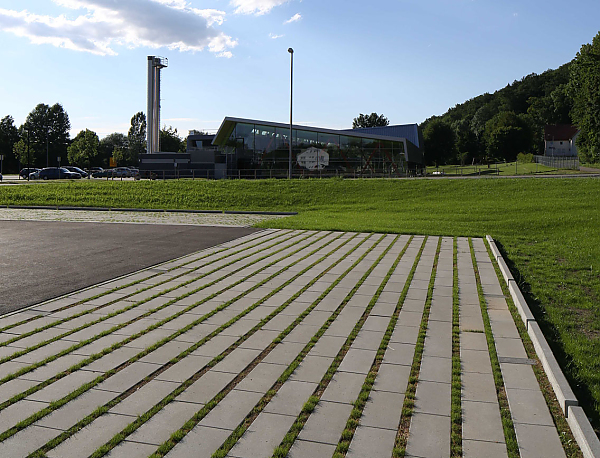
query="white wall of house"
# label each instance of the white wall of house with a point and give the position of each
(561, 147)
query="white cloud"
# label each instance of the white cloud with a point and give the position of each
(103, 24)
(257, 7)
(274, 37)
(295, 18)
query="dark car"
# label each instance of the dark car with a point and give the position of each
(72, 168)
(55, 173)
(24, 173)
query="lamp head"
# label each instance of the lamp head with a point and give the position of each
(290, 50)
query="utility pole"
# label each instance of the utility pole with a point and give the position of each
(291, 51)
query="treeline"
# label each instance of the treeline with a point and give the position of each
(44, 138)
(499, 126)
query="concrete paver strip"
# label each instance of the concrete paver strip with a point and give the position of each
(210, 279)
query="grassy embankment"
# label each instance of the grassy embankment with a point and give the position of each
(504, 169)
(548, 228)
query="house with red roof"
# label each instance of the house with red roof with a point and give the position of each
(559, 140)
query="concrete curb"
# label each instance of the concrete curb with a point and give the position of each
(580, 425)
(147, 210)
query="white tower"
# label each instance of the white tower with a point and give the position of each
(153, 114)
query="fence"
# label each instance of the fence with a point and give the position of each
(558, 162)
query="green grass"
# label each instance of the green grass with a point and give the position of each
(505, 169)
(547, 228)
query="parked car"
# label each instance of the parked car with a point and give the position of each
(72, 168)
(24, 173)
(34, 175)
(0, 177)
(55, 173)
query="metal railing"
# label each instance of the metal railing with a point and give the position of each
(558, 162)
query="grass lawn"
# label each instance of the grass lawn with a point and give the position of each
(504, 169)
(549, 229)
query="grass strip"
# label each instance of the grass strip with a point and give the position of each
(284, 447)
(510, 437)
(455, 398)
(117, 345)
(117, 312)
(117, 327)
(409, 397)
(361, 401)
(120, 436)
(567, 439)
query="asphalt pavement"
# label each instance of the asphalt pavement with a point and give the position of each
(43, 260)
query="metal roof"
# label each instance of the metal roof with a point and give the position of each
(229, 122)
(408, 131)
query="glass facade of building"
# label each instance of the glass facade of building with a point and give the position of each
(262, 146)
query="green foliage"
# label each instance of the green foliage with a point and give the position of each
(439, 142)
(525, 158)
(136, 138)
(20, 151)
(372, 120)
(84, 149)
(507, 134)
(9, 135)
(113, 145)
(170, 141)
(585, 90)
(49, 127)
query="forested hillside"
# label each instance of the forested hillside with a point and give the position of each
(499, 126)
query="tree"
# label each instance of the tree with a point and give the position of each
(136, 138)
(372, 120)
(439, 142)
(49, 128)
(170, 141)
(113, 145)
(467, 143)
(84, 148)
(9, 135)
(584, 87)
(508, 134)
(20, 151)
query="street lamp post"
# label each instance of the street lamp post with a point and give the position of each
(291, 51)
(28, 156)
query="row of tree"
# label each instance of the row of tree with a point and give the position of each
(44, 137)
(498, 126)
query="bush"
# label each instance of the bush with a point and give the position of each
(525, 157)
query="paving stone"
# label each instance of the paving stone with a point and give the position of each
(408, 318)
(473, 341)
(14, 387)
(528, 406)
(201, 441)
(291, 397)
(215, 346)
(429, 436)
(471, 323)
(44, 352)
(302, 333)
(441, 313)
(398, 353)
(26, 441)
(312, 368)
(326, 423)
(144, 398)
(112, 360)
(344, 387)
(383, 309)
(383, 410)
(358, 361)
(372, 442)
(512, 348)
(481, 421)
(263, 436)
(392, 378)
(478, 387)
(535, 441)
(237, 360)
(331, 345)
(160, 427)
(260, 339)
(76, 410)
(505, 329)
(477, 449)
(261, 378)
(405, 334)
(307, 449)
(18, 412)
(434, 369)
(475, 361)
(184, 369)
(519, 376)
(376, 323)
(165, 353)
(85, 441)
(206, 387)
(284, 353)
(128, 449)
(232, 409)
(62, 387)
(433, 398)
(127, 377)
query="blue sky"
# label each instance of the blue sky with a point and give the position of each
(407, 59)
